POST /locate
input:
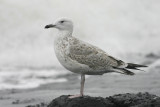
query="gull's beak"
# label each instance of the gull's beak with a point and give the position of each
(49, 26)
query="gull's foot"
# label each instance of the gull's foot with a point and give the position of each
(75, 96)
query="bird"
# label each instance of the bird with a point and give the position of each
(83, 58)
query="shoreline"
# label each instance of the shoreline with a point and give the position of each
(24, 98)
(104, 86)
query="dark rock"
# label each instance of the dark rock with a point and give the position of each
(150, 58)
(135, 100)
(152, 55)
(86, 101)
(120, 100)
(42, 104)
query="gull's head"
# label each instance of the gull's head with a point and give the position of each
(62, 24)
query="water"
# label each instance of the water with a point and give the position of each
(122, 28)
(29, 78)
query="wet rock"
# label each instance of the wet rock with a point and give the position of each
(120, 100)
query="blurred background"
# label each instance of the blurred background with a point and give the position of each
(126, 29)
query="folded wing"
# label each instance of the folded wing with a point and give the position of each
(92, 56)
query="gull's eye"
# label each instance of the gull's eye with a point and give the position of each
(62, 21)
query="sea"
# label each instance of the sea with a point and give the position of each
(126, 29)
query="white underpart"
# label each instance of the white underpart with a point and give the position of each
(62, 53)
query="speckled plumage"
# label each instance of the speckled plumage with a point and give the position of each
(83, 58)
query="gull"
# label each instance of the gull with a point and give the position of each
(83, 58)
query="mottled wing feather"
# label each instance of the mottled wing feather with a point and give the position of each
(92, 56)
(120, 63)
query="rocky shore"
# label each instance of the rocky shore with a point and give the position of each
(119, 100)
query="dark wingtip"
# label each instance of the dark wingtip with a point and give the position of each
(135, 65)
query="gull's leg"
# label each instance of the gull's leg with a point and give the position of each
(82, 84)
(81, 89)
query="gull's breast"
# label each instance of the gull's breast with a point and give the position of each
(61, 48)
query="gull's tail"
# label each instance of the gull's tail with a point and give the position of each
(129, 66)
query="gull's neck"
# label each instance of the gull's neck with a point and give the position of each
(62, 34)
(65, 33)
